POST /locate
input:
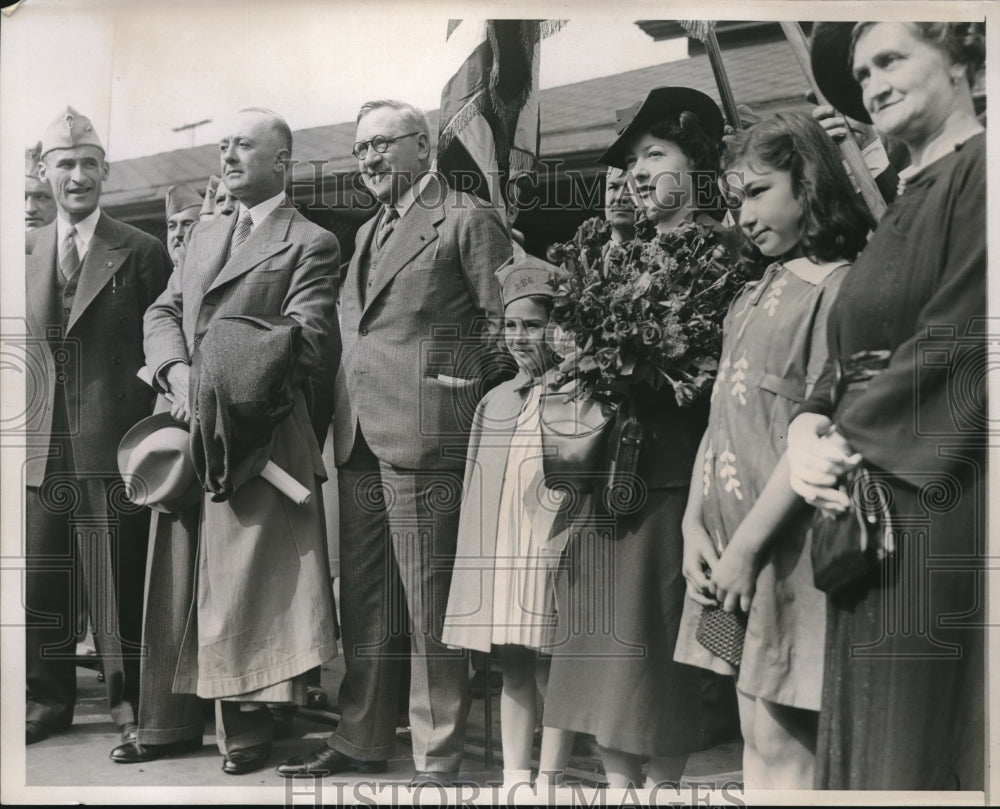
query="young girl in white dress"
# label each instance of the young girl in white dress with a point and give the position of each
(513, 529)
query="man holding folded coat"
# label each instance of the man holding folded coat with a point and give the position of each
(261, 611)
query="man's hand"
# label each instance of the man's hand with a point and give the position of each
(838, 126)
(178, 378)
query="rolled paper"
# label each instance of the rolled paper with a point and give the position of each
(286, 484)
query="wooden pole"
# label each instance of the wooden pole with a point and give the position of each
(848, 146)
(704, 31)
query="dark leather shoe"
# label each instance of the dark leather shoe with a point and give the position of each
(324, 760)
(35, 731)
(428, 778)
(130, 732)
(135, 753)
(240, 762)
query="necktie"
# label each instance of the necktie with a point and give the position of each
(241, 233)
(69, 258)
(386, 226)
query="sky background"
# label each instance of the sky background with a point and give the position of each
(141, 68)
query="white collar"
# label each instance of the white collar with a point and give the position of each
(405, 202)
(84, 228)
(809, 271)
(260, 211)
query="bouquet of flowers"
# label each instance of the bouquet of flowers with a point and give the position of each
(649, 310)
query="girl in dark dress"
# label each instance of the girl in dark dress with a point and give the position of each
(620, 600)
(903, 692)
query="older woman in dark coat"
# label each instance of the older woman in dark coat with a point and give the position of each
(903, 695)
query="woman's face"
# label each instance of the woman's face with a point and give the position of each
(906, 83)
(770, 215)
(524, 333)
(662, 175)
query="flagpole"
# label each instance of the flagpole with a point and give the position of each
(704, 32)
(848, 146)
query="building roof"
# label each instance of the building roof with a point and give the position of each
(577, 119)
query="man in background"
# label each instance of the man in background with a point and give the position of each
(183, 209)
(39, 205)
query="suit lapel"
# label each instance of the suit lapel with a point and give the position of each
(40, 281)
(362, 250)
(412, 234)
(104, 258)
(215, 241)
(265, 241)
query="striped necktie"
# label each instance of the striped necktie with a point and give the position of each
(69, 258)
(386, 226)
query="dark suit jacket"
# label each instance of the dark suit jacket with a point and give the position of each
(423, 317)
(123, 271)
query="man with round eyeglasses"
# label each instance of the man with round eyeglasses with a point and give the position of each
(416, 308)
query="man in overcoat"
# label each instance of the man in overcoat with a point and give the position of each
(261, 610)
(415, 307)
(89, 280)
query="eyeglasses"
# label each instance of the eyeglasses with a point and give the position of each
(379, 143)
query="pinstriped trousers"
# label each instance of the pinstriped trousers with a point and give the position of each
(398, 530)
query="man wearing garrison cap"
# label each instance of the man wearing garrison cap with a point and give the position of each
(183, 209)
(39, 206)
(89, 281)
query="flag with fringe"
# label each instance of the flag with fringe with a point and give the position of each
(490, 118)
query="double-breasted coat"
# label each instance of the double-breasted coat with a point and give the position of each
(262, 609)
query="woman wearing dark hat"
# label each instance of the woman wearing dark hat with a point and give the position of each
(617, 679)
(903, 396)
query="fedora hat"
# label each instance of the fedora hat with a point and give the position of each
(154, 459)
(829, 55)
(662, 102)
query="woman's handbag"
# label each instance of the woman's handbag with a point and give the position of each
(722, 633)
(847, 547)
(575, 433)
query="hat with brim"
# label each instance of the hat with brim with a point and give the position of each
(830, 56)
(154, 459)
(662, 103)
